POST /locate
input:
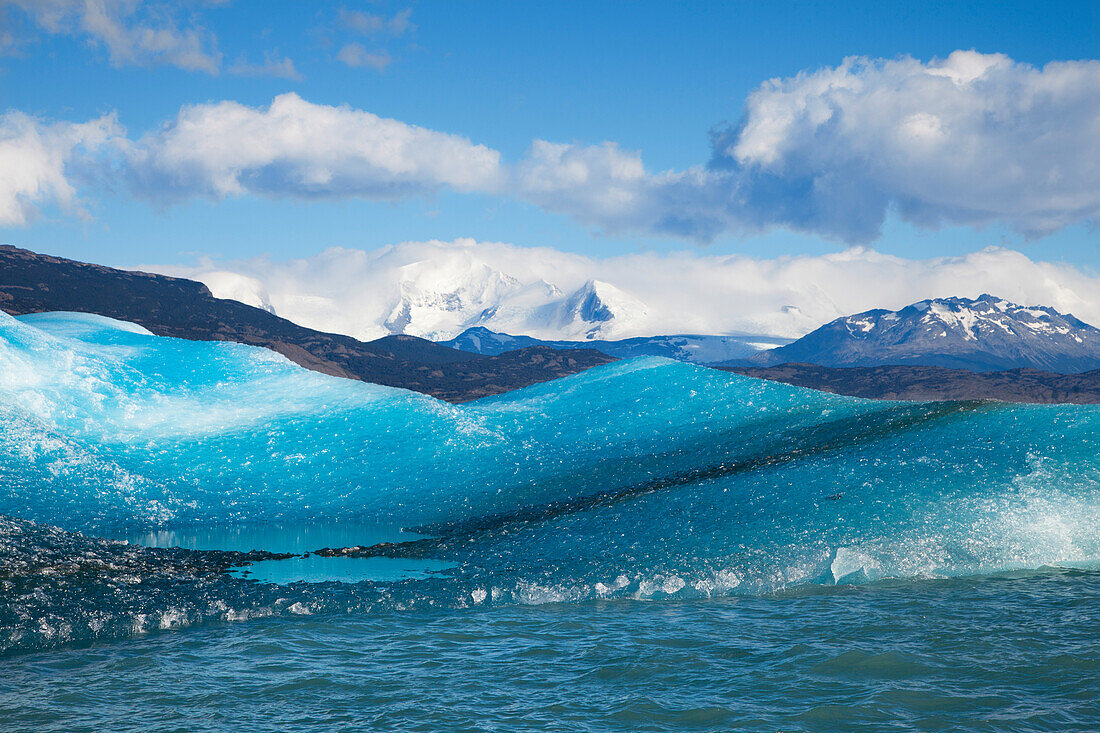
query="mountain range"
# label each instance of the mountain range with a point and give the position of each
(950, 348)
(981, 334)
(438, 289)
(697, 349)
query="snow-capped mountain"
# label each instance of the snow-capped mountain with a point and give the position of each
(595, 310)
(435, 304)
(983, 334)
(685, 347)
(436, 294)
(437, 297)
(438, 289)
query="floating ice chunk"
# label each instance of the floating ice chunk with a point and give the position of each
(852, 566)
(80, 325)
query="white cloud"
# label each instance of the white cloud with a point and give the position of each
(358, 57)
(969, 140)
(299, 149)
(371, 24)
(36, 161)
(605, 186)
(282, 68)
(132, 32)
(598, 182)
(449, 286)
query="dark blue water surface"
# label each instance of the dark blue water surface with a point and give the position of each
(203, 536)
(1006, 653)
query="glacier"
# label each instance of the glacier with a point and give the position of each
(646, 478)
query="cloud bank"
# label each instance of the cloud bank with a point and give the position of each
(437, 289)
(969, 140)
(972, 139)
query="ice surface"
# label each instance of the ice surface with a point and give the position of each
(645, 478)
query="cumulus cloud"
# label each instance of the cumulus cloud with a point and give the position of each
(608, 187)
(973, 139)
(452, 285)
(132, 32)
(599, 182)
(37, 161)
(299, 149)
(968, 140)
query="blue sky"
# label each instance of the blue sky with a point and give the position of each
(654, 78)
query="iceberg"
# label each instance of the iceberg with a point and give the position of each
(638, 479)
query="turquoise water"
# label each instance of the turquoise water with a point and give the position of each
(300, 540)
(645, 545)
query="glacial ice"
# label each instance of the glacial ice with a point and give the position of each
(645, 478)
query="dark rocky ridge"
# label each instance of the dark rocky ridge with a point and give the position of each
(936, 383)
(901, 382)
(170, 306)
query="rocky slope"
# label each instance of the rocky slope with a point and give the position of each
(169, 306)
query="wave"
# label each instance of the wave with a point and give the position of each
(646, 478)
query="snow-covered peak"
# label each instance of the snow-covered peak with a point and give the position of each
(439, 297)
(969, 319)
(985, 332)
(359, 292)
(598, 310)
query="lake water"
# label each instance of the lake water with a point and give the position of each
(1016, 652)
